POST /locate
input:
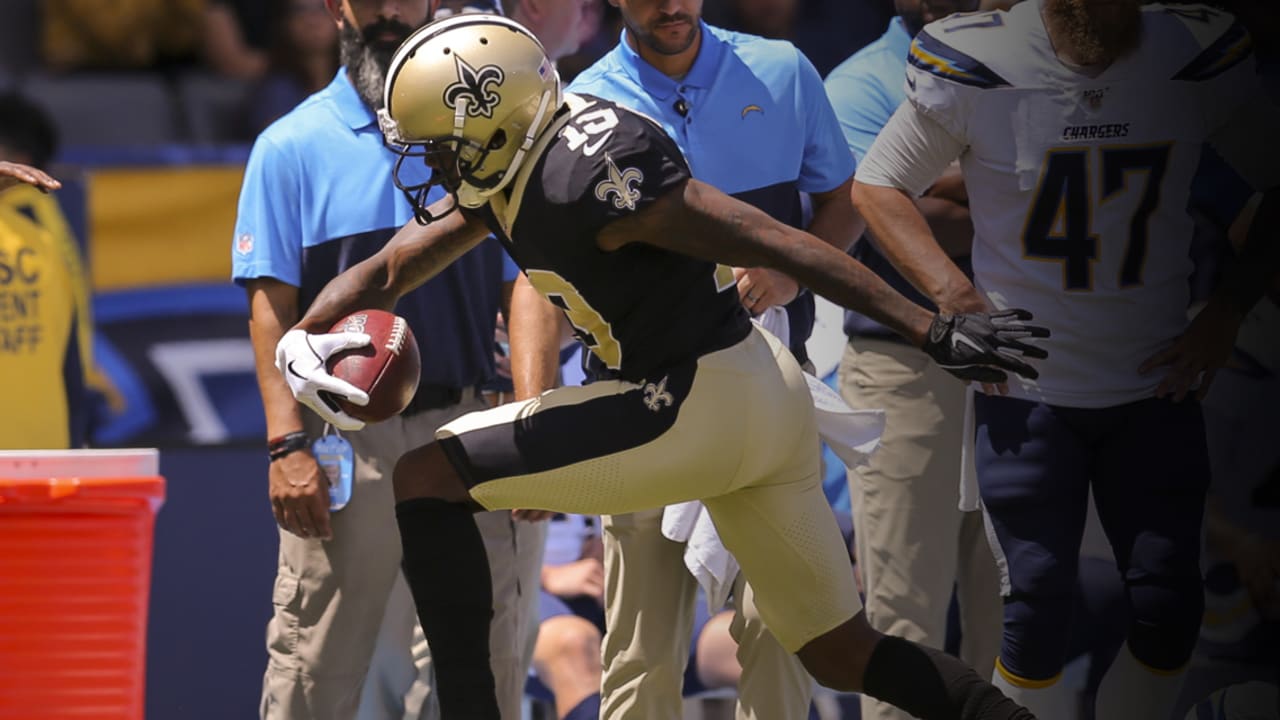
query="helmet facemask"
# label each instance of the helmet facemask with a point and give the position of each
(472, 123)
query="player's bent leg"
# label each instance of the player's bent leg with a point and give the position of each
(923, 681)
(443, 549)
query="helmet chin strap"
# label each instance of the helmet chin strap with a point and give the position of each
(480, 196)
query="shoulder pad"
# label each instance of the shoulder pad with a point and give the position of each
(1220, 40)
(948, 59)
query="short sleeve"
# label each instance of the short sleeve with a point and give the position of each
(826, 163)
(861, 106)
(1239, 114)
(267, 241)
(910, 153)
(943, 82)
(509, 268)
(636, 164)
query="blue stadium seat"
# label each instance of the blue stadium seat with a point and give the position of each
(107, 108)
(213, 108)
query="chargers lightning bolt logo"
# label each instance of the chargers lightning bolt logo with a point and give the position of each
(473, 88)
(619, 183)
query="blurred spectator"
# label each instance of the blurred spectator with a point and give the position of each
(133, 34)
(558, 24)
(303, 60)
(827, 31)
(566, 657)
(238, 35)
(45, 329)
(597, 34)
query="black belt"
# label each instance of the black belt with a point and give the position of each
(435, 397)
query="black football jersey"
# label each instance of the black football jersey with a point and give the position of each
(640, 308)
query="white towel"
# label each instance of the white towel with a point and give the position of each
(852, 434)
(707, 559)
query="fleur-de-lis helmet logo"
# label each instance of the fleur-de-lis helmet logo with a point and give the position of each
(476, 86)
(619, 184)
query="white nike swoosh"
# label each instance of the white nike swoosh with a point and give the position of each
(958, 339)
(590, 149)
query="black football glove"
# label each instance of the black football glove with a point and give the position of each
(979, 347)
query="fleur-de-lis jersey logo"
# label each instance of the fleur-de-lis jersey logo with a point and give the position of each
(656, 395)
(619, 184)
(474, 86)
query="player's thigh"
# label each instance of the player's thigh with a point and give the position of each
(1034, 466)
(736, 417)
(1150, 492)
(791, 551)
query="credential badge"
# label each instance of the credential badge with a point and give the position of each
(474, 87)
(620, 184)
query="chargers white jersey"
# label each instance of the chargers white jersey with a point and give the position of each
(1078, 185)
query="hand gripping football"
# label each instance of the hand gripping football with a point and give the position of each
(387, 368)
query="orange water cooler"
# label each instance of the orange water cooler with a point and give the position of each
(76, 532)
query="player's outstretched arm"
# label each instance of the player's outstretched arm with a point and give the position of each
(696, 219)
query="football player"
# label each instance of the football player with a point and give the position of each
(597, 206)
(1079, 125)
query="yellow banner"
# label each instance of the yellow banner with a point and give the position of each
(161, 225)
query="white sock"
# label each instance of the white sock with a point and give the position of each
(1133, 691)
(1049, 699)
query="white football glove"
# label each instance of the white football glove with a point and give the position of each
(301, 357)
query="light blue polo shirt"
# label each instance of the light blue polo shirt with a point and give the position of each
(318, 197)
(756, 124)
(865, 91)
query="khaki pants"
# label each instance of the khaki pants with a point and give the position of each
(332, 600)
(913, 543)
(649, 612)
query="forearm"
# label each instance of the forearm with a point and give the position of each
(534, 328)
(416, 254)
(734, 233)
(903, 236)
(271, 312)
(949, 223)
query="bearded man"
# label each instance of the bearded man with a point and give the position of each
(1079, 126)
(318, 197)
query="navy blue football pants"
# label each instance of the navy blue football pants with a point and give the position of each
(1147, 463)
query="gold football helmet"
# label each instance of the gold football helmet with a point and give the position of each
(469, 94)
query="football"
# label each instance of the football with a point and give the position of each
(387, 368)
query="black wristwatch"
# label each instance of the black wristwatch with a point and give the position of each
(278, 447)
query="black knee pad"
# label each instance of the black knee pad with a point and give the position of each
(1166, 615)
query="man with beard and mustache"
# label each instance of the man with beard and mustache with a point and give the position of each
(318, 196)
(714, 92)
(1079, 126)
(913, 544)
